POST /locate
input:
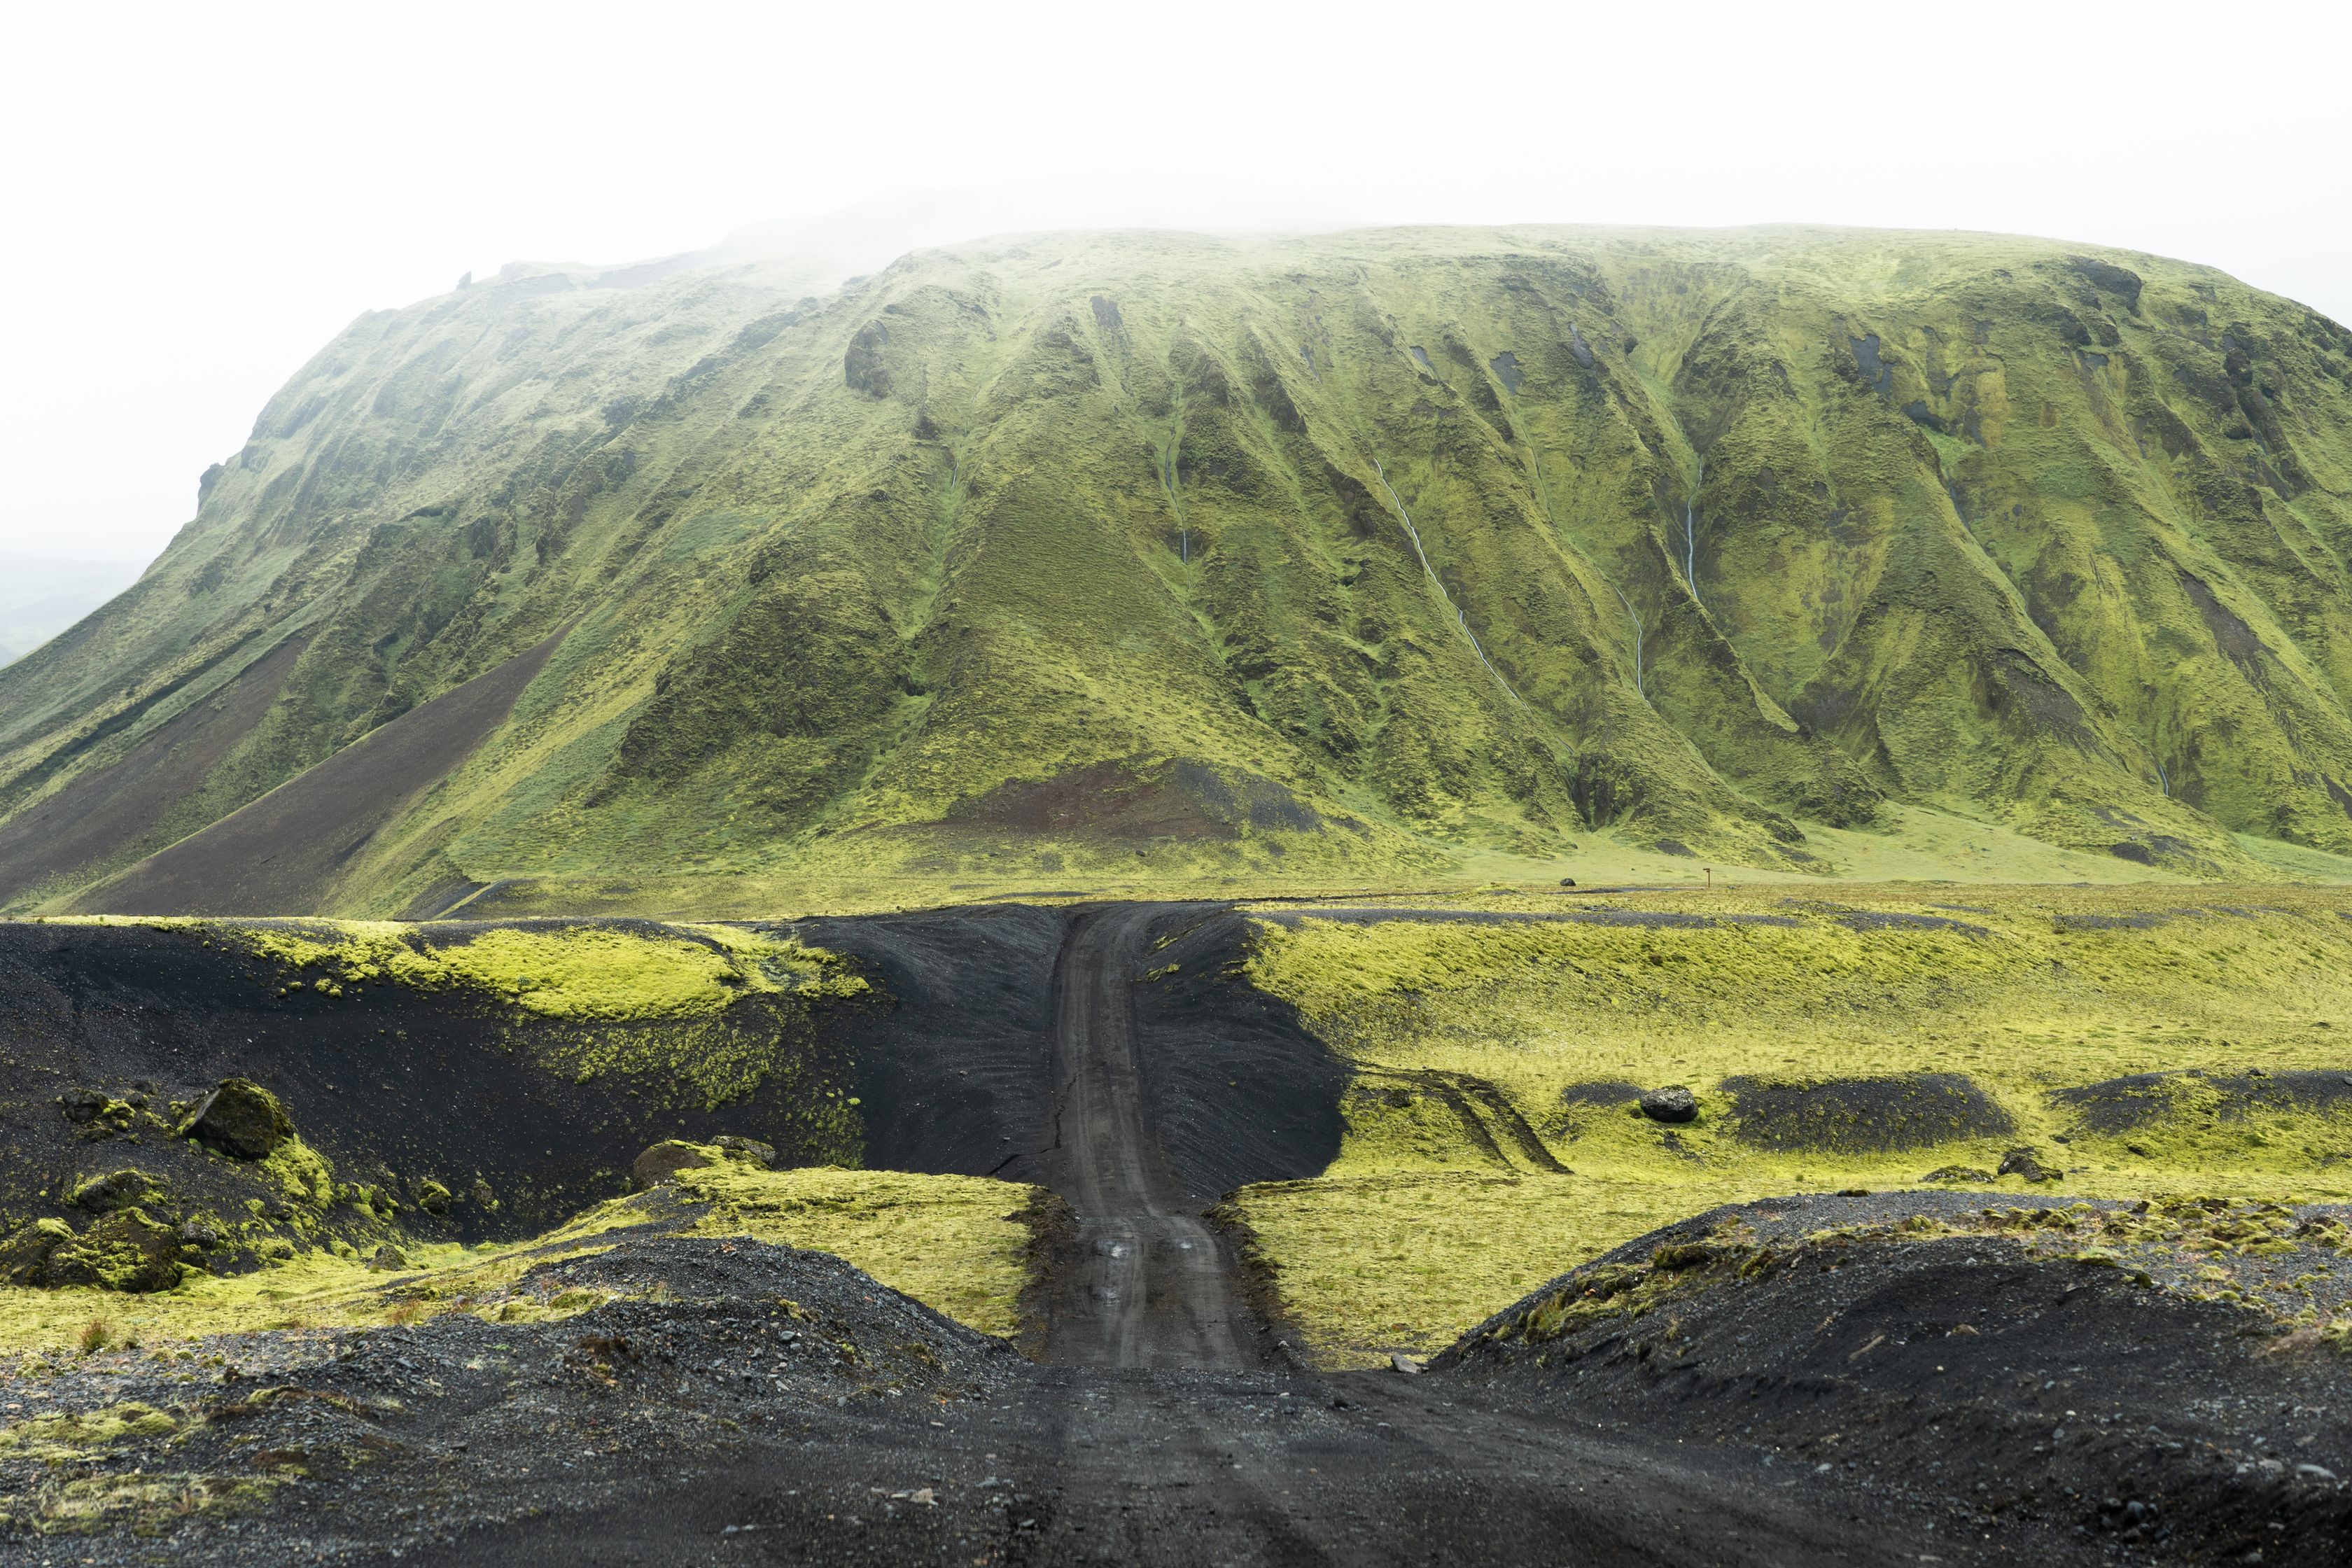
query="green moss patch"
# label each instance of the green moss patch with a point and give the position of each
(960, 1243)
(2097, 1043)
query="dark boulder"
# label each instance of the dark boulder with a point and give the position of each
(750, 1150)
(664, 1161)
(1674, 1103)
(240, 1119)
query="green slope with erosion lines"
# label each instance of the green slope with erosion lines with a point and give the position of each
(1112, 558)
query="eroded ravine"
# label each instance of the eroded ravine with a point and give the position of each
(1152, 1287)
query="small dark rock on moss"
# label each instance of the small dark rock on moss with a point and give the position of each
(118, 1190)
(28, 1247)
(1675, 1103)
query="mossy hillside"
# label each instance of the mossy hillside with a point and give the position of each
(962, 1244)
(876, 582)
(1815, 1031)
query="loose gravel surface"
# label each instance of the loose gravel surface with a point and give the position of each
(744, 1403)
(2123, 1381)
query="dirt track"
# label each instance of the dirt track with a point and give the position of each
(1167, 1426)
(1153, 1288)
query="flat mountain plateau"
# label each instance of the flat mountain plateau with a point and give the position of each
(1146, 562)
(2014, 1229)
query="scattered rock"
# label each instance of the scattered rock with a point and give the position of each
(1674, 1103)
(388, 1258)
(96, 1115)
(2023, 1162)
(124, 1251)
(240, 1119)
(1400, 1362)
(1956, 1174)
(28, 1247)
(432, 1196)
(118, 1190)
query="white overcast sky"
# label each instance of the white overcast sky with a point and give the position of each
(196, 196)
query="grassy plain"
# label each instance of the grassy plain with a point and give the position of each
(1834, 1038)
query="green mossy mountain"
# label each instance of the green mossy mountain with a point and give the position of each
(1330, 556)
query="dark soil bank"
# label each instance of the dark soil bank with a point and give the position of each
(2001, 1392)
(397, 1087)
(738, 1403)
(951, 1057)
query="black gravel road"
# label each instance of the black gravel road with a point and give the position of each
(711, 1401)
(1152, 1286)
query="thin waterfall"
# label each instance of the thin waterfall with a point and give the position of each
(1690, 536)
(1639, 690)
(1447, 599)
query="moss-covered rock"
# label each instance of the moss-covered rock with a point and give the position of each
(119, 1189)
(126, 1250)
(665, 1159)
(240, 1119)
(28, 1247)
(746, 1151)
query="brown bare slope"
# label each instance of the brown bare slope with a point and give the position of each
(103, 818)
(285, 850)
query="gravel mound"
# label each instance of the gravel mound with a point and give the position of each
(2143, 1100)
(2067, 1369)
(1864, 1115)
(659, 1362)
